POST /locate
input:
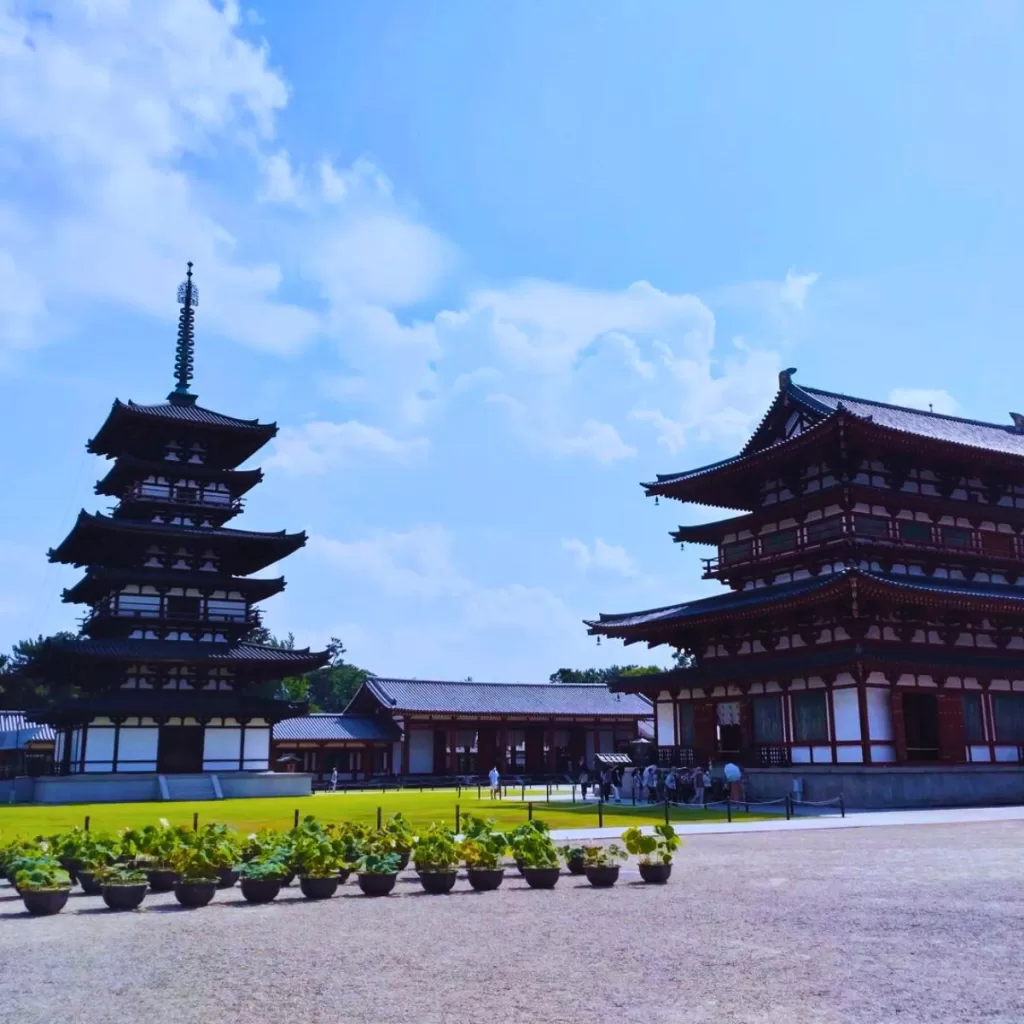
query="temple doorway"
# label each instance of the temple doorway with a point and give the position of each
(921, 726)
(180, 749)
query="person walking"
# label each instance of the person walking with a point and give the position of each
(584, 782)
(698, 785)
(670, 786)
(334, 779)
(734, 779)
(495, 781)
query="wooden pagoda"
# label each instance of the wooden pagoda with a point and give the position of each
(168, 682)
(874, 611)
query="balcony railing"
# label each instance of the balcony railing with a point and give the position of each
(893, 533)
(194, 497)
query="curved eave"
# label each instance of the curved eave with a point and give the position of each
(277, 662)
(127, 470)
(727, 484)
(98, 583)
(245, 437)
(710, 533)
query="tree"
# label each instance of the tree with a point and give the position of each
(600, 675)
(329, 688)
(24, 681)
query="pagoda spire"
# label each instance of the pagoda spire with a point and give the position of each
(188, 299)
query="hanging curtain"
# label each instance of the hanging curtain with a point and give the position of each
(685, 724)
(767, 719)
(1008, 713)
(810, 719)
(974, 726)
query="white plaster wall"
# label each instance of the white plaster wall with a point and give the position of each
(883, 754)
(847, 714)
(137, 745)
(979, 753)
(257, 749)
(58, 748)
(221, 750)
(822, 755)
(396, 758)
(666, 725)
(421, 752)
(99, 749)
(1006, 753)
(879, 714)
(801, 755)
(849, 755)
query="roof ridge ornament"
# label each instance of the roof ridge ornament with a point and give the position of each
(786, 378)
(1018, 422)
(188, 299)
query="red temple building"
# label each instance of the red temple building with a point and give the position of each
(870, 639)
(171, 694)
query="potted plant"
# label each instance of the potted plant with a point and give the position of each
(123, 886)
(653, 851)
(436, 858)
(68, 850)
(481, 850)
(222, 851)
(95, 852)
(599, 864)
(155, 848)
(528, 828)
(378, 869)
(573, 857)
(197, 877)
(262, 879)
(402, 837)
(537, 858)
(44, 886)
(318, 860)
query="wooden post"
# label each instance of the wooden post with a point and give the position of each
(842, 806)
(458, 819)
(380, 813)
(87, 823)
(574, 792)
(728, 808)
(478, 791)
(600, 813)
(666, 810)
(296, 817)
(529, 811)
(195, 821)
(789, 807)
(523, 797)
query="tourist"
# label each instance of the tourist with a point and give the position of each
(584, 782)
(651, 782)
(334, 779)
(700, 782)
(495, 780)
(734, 779)
(617, 785)
(670, 786)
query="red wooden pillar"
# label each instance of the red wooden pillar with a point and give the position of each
(899, 732)
(862, 707)
(952, 741)
(705, 730)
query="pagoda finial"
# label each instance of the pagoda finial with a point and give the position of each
(188, 299)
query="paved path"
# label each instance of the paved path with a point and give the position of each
(859, 819)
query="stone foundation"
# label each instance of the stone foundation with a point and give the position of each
(867, 788)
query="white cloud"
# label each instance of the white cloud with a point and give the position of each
(280, 183)
(795, 288)
(600, 555)
(322, 445)
(925, 398)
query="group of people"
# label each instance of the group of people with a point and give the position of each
(676, 785)
(607, 783)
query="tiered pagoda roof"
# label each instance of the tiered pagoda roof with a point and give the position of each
(167, 581)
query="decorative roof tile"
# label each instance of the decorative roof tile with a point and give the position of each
(540, 699)
(189, 651)
(337, 727)
(196, 704)
(192, 414)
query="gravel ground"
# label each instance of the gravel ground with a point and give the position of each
(910, 924)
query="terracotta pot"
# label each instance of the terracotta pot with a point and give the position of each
(541, 878)
(319, 888)
(655, 874)
(575, 866)
(44, 902)
(195, 894)
(484, 879)
(261, 890)
(603, 877)
(226, 878)
(124, 897)
(87, 880)
(162, 880)
(377, 885)
(437, 882)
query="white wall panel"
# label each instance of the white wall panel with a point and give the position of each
(879, 713)
(847, 714)
(221, 750)
(849, 755)
(666, 724)
(822, 755)
(421, 752)
(979, 753)
(257, 749)
(137, 745)
(99, 748)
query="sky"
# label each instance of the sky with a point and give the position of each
(489, 266)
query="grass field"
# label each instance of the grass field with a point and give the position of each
(278, 812)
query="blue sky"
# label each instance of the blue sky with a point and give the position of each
(489, 266)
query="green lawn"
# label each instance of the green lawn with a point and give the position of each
(278, 812)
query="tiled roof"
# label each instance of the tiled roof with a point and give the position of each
(191, 413)
(739, 601)
(118, 703)
(135, 525)
(972, 433)
(189, 651)
(16, 731)
(98, 581)
(327, 726)
(127, 468)
(541, 699)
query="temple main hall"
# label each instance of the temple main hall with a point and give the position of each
(869, 638)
